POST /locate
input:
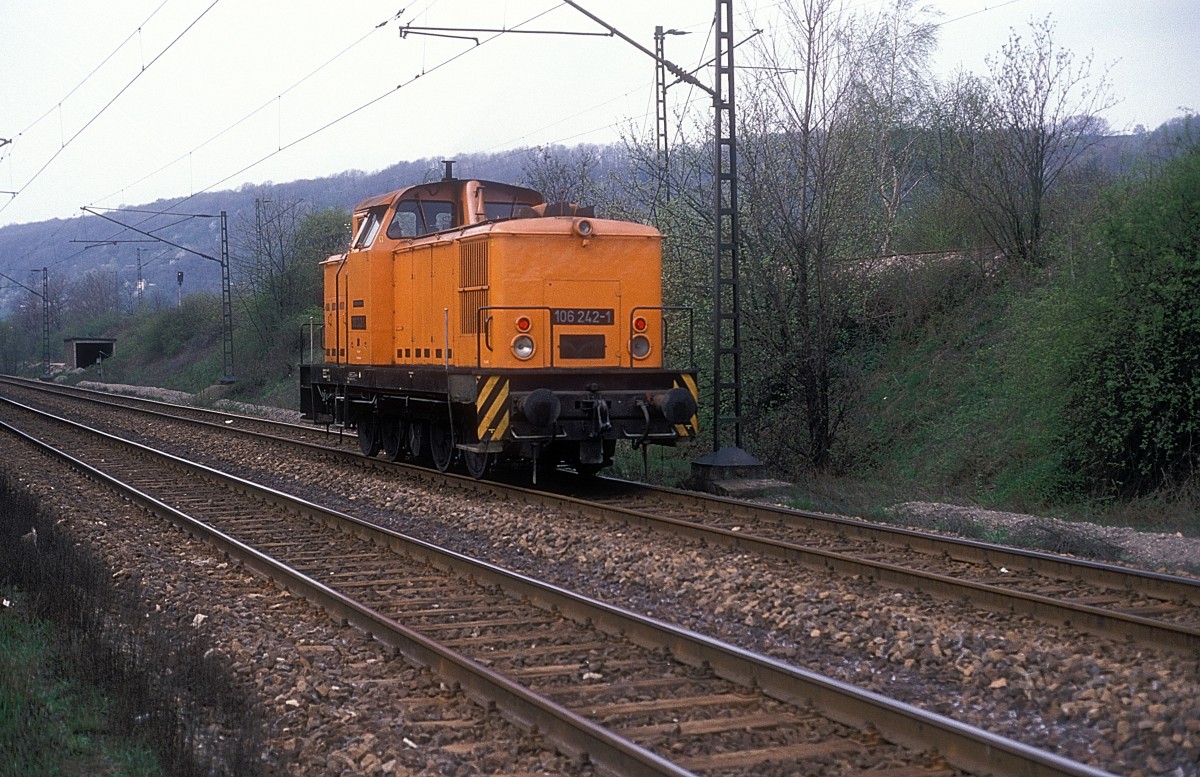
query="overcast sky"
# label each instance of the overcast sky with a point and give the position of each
(128, 101)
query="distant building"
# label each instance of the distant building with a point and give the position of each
(83, 352)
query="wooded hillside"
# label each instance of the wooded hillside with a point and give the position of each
(969, 286)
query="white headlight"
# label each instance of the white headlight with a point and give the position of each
(522, 346)
(639, 346)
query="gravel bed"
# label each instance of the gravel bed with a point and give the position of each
(1167, 552)
(1160, 551)
(1130, 710)
(212, 398)
(1126, 709)
(333, 701)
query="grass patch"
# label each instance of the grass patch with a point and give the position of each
(51, 724)
(972, 410)
(114, 692)
(662, 464)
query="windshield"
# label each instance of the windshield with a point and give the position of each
(414, 218)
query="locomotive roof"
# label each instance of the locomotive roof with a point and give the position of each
(450, 187)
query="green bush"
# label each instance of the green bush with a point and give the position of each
(1136, 413)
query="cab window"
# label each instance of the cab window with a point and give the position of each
(504, 209)
(368, 228)
(414, 218)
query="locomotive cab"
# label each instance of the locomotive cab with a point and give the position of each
(471, 321)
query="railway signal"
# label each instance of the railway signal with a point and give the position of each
(226, 295)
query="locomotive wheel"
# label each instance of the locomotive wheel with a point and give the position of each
(368, 438)
(416, 438)
(391, 437)
(477, 463)
(441, 445)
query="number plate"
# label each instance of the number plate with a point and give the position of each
(581, 316)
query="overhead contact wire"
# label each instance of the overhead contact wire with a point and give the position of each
(107, 105)
(254, 112)
(364, 106)
(96, 69)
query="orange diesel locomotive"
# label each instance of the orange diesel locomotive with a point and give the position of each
(469, 321)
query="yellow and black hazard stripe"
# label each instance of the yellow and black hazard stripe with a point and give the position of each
(692, 426)
(492, 408)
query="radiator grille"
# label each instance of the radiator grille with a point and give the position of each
(470, 302)
(473, 264)
(473, 284)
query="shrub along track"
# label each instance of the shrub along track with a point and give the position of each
(694, 705)
(1133, 710)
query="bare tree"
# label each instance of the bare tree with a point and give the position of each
(28, 311)
(828, 159)
(564, 174)
(92, 296)
(892, 91)
(268, 266)
(1005, 139)
(802, 194)
(25, 324)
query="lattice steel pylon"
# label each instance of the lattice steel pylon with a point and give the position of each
(724, 463)
(45, 322)
(660, 113)
(727, 335)
(728, 468)
(226, 307)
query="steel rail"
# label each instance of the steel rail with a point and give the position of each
(1089, 618)
(169, 409)
(997, 598)
(1158, 584)
(963, 746)
(576, 735)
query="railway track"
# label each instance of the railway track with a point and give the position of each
(635, 695)
(1113, 601)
